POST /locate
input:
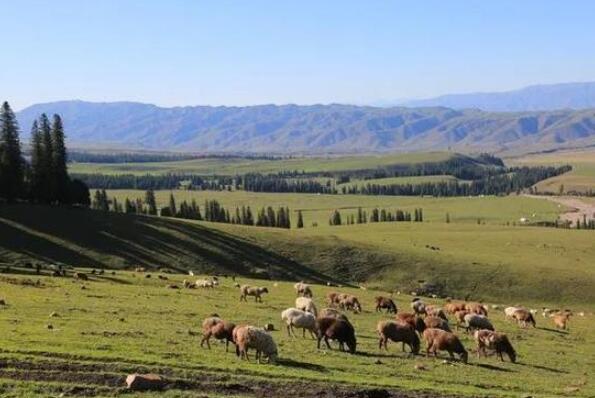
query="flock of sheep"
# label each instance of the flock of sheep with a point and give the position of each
(424, 321)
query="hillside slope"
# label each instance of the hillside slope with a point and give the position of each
(386, 256)
(313, 129)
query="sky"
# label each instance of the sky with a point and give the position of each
(175, 53)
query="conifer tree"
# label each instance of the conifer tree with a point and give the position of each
(59, 173)
(48, 192)
(151, 202)
(172, 205)
(300, 222)
(36, 184)
(11, 161)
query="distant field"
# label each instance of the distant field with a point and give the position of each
(232, 166)
(580, 179)
(401, 180)
(126, 323)
(318, 208)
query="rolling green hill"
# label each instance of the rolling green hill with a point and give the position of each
(483, 261)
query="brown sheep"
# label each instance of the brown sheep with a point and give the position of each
(257, 292)
(219, 329)
(476, 308)
(81, 276)
(561, 319)
(247, 337)
(336, 329)
(452, 307)
(490, 340)
(331, 299)
(385, 303)
(434, 310)
(436, 323)
(438, 339)
(460, 318)
(332, 313)
(350, 302)
(395, 331)
(412, 320)
(523, 317)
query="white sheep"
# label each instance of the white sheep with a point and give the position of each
(247, 337)
(306, 304)
(204, 283)
(509, 311)
(303, 289)
(294, 317)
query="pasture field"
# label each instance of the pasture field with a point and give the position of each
(318, 208)
(580, 179)
(125, 323)
(233, 166)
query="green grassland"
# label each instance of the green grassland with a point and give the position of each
(487, 261)
(233, 166)
(318, 208)
(580, 179)
(125, 322)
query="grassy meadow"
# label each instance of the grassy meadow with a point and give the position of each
(233, 166)
(318, 208)
(580, 179)
(126, 322)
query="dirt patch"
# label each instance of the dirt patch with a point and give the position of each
(93, 379)
(578, 209)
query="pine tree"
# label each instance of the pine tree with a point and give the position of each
(300, 222)
(48, 192)
(172, 205)
(11, 161)
(151, 202)
(58, 161)
(360, 216)
(249, 217)
(37, 161)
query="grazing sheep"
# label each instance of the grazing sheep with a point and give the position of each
(438, 339)
(350, 302)
(257, 292)
(523, 317)
(561, 319)
(477, 308)
(418, 306)
(476, 322)
(205, 283)
(434, 310)
(333, 299)
(306, 304)
(81, 276)
(434, 322)
(395, 331)
(548, 312)
(247, 337)
(297, 318)
(452, 307)
(460, 318)
(217, 328)
(303, 289)
(509, 311)
(385, 303)
(332, 313)
(412, 320)
(336, 329)
(490, 340)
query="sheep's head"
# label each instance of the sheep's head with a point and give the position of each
(464, 356)
(352, 344)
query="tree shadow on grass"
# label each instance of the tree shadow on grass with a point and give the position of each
(558, 331)
(86, 238)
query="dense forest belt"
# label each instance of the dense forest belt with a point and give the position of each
(479, 261)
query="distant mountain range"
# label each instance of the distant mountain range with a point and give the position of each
(313, 129)
(532, 98)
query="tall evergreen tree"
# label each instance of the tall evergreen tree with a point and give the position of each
(172, 205)
(11, 161)
(58, 161)
(36, 183)
(300, 222)
(48, 188)
(151, 202)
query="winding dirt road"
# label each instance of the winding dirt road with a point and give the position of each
(578, 208)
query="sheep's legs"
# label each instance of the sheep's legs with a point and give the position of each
(303, 333)
(327, 343)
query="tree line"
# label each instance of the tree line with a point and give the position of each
(158, 182)
(43, 178)
(375, 215)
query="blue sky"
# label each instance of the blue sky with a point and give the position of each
(254, 52)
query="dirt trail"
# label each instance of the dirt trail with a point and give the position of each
(577, 207)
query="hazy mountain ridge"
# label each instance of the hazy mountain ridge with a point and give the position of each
(533, 98)
(315, 128)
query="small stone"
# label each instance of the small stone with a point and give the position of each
(2, 302)
(50, 326)
(143, 382)
(378, 362)
(54, 315)
(419, 367)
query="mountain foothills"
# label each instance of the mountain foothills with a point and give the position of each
(533, 98)
(316, 128)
